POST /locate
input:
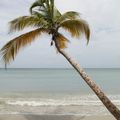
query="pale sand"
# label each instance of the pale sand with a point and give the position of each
(53, 117)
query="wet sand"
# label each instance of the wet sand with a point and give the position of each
(52, 117)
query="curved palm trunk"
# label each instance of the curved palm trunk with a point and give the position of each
(109, 105)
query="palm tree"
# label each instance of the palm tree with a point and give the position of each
(45, 18)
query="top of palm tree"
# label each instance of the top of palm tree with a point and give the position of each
(44, 17)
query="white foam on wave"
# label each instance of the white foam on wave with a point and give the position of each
(65, 104)
(58, 101)
(73, 101)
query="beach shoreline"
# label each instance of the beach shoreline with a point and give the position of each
(52, 117)
(42, 94)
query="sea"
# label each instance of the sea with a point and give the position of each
(56, 91)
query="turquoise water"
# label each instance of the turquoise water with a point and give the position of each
(56, 91)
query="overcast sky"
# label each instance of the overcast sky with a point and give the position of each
(103, 50)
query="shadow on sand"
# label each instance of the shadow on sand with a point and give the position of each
(53, 117)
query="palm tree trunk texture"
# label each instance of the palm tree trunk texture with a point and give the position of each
(109, 105)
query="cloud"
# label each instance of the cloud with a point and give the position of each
(103, 17)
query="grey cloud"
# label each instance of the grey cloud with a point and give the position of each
(103, 17)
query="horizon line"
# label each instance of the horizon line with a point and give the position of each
(67, 68)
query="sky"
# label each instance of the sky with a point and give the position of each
(103, 50)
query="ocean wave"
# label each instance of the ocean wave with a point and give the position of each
(57, 103)
(65, 101)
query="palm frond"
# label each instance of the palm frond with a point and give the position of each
(26, 21)
(61, 41)
(52, 8)
(76, 28)
(68, 16)
(10, 50)
(57, 14)
(37, 3)
(45, 7)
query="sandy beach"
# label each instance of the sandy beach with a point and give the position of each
(52, 117)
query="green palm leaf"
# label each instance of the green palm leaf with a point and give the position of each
(76, 28)
(38, 3)
(45, 7)
(27, 21)
(10, 50)
(57, 14)
(68, 15)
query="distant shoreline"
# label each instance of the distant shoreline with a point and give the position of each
(59, 68)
